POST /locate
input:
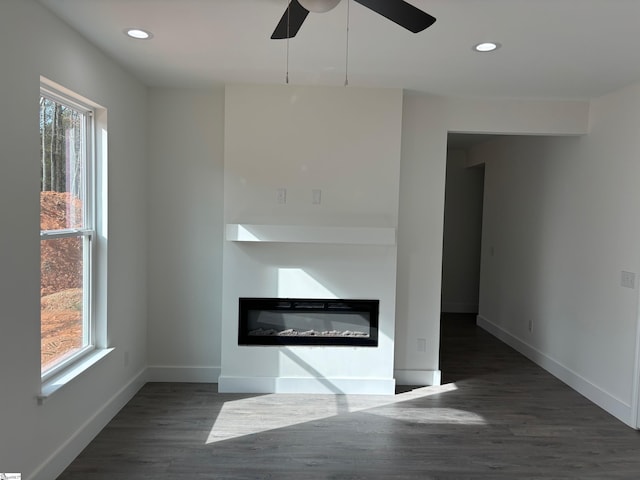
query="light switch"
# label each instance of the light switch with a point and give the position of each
(628, 279)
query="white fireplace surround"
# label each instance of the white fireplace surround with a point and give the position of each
(346, 143)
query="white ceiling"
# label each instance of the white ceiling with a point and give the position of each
(551, 48)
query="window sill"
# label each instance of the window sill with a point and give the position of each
(52, 385)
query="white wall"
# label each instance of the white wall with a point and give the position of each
(345, 142)
(561, 218)
(422, 179)
(185, 233)
(462, 234)
(32, 43)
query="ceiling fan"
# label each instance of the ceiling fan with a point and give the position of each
(398, 11)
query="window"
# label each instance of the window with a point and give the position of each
(67, 230)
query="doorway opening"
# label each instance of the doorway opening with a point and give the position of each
(462, 237)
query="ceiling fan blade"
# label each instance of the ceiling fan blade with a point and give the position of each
(401, 12)
(291, 21)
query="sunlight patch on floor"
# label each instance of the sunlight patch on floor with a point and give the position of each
(249, 416)
(437, 416)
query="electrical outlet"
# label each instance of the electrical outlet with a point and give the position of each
(316, 196)
(421, 344)
(530, 326)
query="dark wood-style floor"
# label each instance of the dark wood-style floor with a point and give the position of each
(496, 416)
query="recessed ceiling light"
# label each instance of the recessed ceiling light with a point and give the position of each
(138, 33)
(486, 47)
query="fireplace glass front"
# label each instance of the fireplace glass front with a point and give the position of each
(300, 321)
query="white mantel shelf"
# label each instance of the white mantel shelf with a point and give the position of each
(242, 232)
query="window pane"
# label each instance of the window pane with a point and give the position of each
(62, 305)
(62, 163)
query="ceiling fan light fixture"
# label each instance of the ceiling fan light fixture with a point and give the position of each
(319, 6)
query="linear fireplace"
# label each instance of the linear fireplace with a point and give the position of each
(304, 321)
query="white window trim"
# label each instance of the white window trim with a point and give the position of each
(95, 350)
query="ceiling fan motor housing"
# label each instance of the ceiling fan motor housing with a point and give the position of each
(319, 6)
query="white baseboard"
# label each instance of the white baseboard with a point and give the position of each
(337, 386)
(604, 400)
(418, 377)
(459, 307)
(69, 450)
(170, 373)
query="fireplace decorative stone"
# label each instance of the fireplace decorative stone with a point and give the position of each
(305, 321)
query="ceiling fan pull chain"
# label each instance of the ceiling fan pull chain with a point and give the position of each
(287, 75)
(288, 36)
(346, 67)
